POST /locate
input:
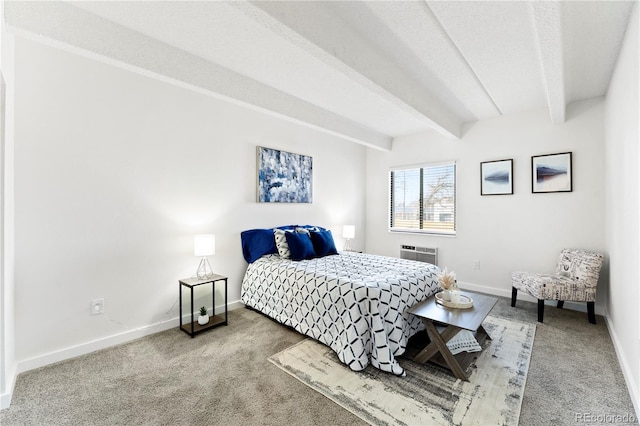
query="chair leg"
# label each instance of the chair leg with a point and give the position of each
(540, 309)
(591, 312)
(560, 304)
(514, 296)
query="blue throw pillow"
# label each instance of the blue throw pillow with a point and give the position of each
(323, 243)
(300, 245)
(256, 243)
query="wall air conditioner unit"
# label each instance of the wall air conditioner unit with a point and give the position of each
(421, 254)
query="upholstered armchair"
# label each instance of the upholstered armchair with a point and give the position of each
(574, 280)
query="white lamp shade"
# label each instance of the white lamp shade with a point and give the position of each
(204, 245)
(348, 231)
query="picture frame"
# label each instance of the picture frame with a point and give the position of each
(552, 173)
(496, 177)
(284, 177)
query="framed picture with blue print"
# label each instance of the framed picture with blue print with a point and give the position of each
(284, 177)
(551, 173)
(496, 177)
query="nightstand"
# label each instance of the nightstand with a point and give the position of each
(214, 320)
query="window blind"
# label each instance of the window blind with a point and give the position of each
(423, 199)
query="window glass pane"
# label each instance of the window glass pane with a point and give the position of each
(424, 199)
(439, 198)
(405, 207)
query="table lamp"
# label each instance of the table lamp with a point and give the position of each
(348, 232)
(203, 246)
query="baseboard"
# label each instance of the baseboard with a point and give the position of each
(106, 342)
(488, 290)
(580, 307)
(5, 398)
(634, 393)
(94, 345)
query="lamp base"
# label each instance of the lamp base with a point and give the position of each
(204, 269)
(347, 245)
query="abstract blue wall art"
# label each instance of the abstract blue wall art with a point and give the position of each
(284, 177)
(551, 173)
(496, 177)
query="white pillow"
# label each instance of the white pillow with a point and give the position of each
(281, 243)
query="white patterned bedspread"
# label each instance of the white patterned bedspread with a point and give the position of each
(352, 302)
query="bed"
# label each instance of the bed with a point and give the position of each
(355, 303)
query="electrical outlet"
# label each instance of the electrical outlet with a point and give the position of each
(97, 306)
(476, 264)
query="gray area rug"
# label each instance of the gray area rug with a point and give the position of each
(428, 394)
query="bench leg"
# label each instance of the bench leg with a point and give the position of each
(591, 312)
(560, 304)
(440, 341)
(514, 296)
(540, 309)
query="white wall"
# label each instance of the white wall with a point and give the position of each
(115, 172)
(8, 364)
(622, 212)
(523, 231)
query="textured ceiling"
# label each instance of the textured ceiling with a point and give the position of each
(367, 71)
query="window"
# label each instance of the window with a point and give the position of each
(423, 199)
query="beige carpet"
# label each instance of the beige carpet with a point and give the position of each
(428, 394)
(224, 377)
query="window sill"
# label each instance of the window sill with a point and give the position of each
(422, 232)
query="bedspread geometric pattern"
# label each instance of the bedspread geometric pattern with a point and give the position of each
(354, 303)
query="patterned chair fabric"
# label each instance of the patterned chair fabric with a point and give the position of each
(575, 280)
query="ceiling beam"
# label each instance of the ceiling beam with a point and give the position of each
(472, 73)
(548, 30)
(70, 28)
(310, 26)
